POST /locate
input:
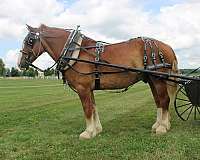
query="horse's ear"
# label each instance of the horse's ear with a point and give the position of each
(43, 27)
(31, 29)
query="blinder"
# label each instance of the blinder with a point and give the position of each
(31, 38)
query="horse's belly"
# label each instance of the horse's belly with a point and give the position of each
(118, 81)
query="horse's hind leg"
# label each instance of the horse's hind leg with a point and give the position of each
(93, 125)
(160, 93)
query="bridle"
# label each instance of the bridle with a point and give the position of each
(30, 40)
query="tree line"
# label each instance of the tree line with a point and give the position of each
(187, 71)
(14, 72)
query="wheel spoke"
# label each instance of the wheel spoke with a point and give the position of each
(198, 109)
(190, 113)
(183, 92)
(182, 99)
(186, 110)
(184, 105)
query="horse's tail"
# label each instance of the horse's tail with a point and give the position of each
(175, 66)
(172, 87)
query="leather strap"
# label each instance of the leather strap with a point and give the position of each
(99, 49)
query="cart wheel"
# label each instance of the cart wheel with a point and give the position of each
(184, 107)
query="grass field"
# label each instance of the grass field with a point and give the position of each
(39, 120)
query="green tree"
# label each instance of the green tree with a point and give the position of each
(2, 68)
(14, 72)
(49, 72)
(30, 72)
(7, 72)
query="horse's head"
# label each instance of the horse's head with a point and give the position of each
(32, 48)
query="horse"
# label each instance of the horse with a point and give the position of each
(128, 53)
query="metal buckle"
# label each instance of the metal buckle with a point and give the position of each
(99, 47)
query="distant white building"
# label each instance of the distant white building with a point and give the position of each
(40, 74)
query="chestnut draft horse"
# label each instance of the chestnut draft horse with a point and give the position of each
(128, 53)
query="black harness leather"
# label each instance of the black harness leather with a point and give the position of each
(150, 43)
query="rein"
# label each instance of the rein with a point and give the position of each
(41, 70)
(32, 65)
(92, 73)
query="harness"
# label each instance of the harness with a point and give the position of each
(72, 48)
(73, 41)
(152, 45)
(99, 49)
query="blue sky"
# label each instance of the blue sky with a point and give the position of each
(7, 44)
(155, 5)
(69, 13)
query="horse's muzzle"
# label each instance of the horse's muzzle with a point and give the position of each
(22, 63)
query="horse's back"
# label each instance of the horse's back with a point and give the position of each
(131, 52)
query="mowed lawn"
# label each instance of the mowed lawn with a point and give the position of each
(40, 120)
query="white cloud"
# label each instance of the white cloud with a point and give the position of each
(189, 57)
(108, 18)
(11, 58)
(15, 14)
(177, 25)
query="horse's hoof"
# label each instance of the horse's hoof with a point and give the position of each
(168, 126)
(161, 130)
(85, 135)
(99, 130)
(155, 126)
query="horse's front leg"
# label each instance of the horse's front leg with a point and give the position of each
(96, 115)
(93, 125)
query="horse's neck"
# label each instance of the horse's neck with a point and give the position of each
(55, 46)
(88, 42)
